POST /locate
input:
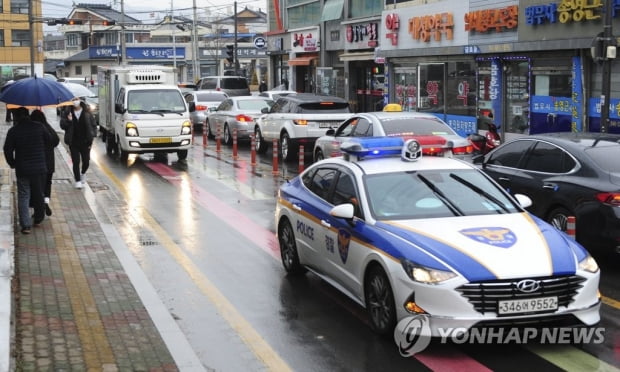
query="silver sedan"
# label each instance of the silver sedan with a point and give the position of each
(205, 100)
(236, 113)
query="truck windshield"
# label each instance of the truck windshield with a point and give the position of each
(155, 101)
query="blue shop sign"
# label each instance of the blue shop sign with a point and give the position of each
(112, 51)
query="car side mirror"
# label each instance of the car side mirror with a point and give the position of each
(330, 132)
(523, 200)
(118, 108)
(478, 159)
(264, 110)
(192, 106)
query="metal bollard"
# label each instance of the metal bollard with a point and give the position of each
(218, 139)
(300, 168)
(252, 150)
(570, 227)
(275, 157)
(235, 154)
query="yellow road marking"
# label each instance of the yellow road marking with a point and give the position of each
(610, 302)
(96, 350)
(261, 349)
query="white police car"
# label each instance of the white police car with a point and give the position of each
(409, 235)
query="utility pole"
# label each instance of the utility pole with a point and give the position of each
(608, 54)
(32, 35)
(123, 54)
(235, 55)
(195, 45)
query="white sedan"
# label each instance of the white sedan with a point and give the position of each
(408, 235)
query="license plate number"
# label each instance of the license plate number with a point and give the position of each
(324, 125)
(527, 305)
(160, 140)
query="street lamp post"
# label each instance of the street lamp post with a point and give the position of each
(195, 46)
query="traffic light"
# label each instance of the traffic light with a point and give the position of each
(230, 53)
(75, 22)
(108, 22)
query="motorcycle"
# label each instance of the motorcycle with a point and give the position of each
(484, 144)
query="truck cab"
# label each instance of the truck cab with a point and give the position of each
(143, 111)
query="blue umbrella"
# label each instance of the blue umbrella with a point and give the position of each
(34, 92)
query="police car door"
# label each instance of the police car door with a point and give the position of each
(311, 210)
(342, 237)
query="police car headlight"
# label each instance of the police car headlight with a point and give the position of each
(425, 274)
(588, 264)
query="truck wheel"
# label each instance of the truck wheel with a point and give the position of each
(261, 145)
(110, 144)
(122, 154)
(182, 154)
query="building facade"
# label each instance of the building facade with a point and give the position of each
(527, 64)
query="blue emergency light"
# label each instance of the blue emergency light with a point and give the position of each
(377, 147)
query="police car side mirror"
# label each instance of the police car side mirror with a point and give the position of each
(118, 108)
(345, 211)
(523, 200)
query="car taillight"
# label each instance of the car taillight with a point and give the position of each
(243, 118)
(463, 150)
(612, 198)
(300, 122)
(201, 108)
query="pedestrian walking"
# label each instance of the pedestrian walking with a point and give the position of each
(24, 150)
(39, 116)
(262, 87)
(80, 130)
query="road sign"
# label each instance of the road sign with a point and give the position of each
(260, 42)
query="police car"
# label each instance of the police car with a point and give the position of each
(407, 235)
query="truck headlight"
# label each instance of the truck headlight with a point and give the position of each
(131, 130)
(425, 274)
(186, 128)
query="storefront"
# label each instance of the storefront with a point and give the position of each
(527, 68)
(303, 59)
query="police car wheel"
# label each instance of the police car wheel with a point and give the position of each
(380, 302)
(288, 249)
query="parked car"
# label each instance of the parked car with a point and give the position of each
(231, 85)
(275, 94)
(565, 174)
(236, 113)
(299, 119)
(410, 235)
(435, 136)
(205, 100)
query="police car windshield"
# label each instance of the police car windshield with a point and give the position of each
(407, 195)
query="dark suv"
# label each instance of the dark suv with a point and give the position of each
(231, 85)
(299, 119)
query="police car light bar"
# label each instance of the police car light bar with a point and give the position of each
(377, 147)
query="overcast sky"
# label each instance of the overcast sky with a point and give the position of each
(153, 10)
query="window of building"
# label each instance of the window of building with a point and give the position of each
(406, 84)
(461, 88)
(20, 38)
(93, 70)
(73, 40)
(431, 87)
(19, 6)
(78, 70)
(304, 15)
(1, 38)
(110, 38)
(364, 8)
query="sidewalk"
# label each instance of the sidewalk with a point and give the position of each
(76, 305)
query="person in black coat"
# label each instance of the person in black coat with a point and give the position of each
(262, 87)
(80, 130)
(24, 150)
(39, 116)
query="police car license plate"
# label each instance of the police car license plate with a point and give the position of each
(160, 140)
(527, 305)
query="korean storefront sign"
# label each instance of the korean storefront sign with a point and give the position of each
(362, 36)
(305, 40)
(566, 11)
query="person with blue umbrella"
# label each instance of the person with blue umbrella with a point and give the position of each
(24, 150)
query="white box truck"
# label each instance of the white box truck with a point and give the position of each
(142, 110)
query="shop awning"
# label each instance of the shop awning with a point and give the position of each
(301, 61)
(332, 10)
(357, 56)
